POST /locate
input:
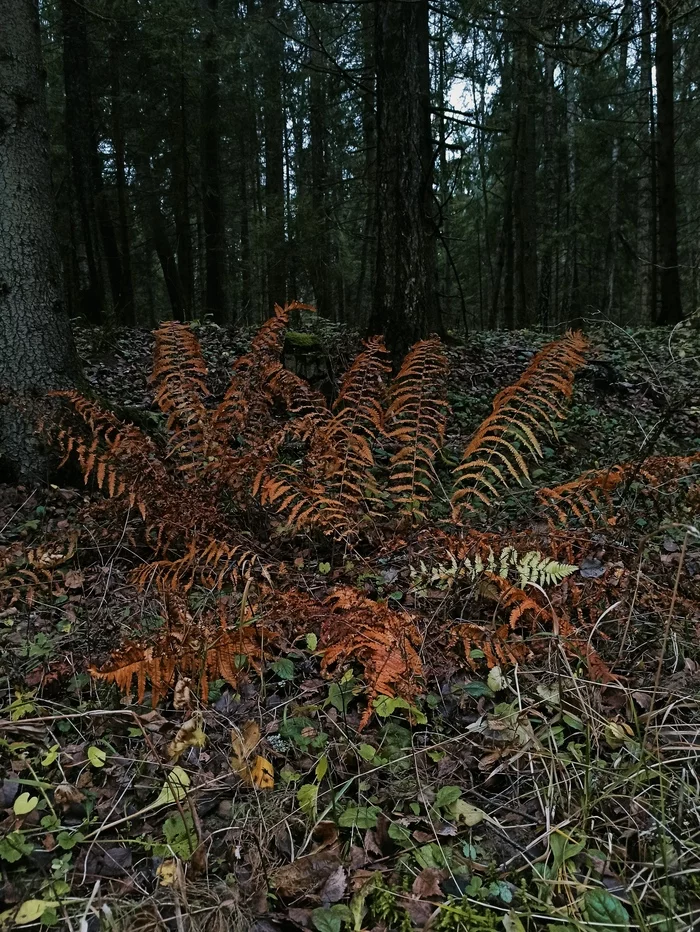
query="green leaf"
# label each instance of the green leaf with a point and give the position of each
(340, 695)
(466, 813)
(321, 768)
(68, 840)
(331, 918)
(14, 846)
(289, 775)
(447, 795)
(366, 752)
(496, 681)
(511, 923)
(477, 689)
(96, 756)
(433, 856)
(606, 910)
(24, 804)
(50, 756)
(324, 568)
(284, 668)
(31, 910)
(311, 641)
(399, 833)
(359, 817)
(180, 835)
(175, 787)
(307, 796)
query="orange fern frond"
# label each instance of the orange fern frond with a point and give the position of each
(195, 650)
(383, 641)
(341, 450)
(303, 506)
(589, 498)
(415, 420)
(497, 452)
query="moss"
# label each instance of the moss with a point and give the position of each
(464, 917)
(300, 340)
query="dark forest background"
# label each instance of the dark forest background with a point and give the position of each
(414, 165)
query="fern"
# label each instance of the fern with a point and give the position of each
(194, 650)
(384, 642)
(589, 498)
(532, 406)
(179, 374)
(530, 567)
(416, 422)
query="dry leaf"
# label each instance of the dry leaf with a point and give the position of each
(305, 875)
(190, 735)
(65, 795)
(427, 883)
(167, 872)
(333, 889)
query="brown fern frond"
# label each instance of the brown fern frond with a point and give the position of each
(341, 450)
(197, 650)
(415, 421)
(497, 452)
(589, 498)
(208, 560)
(383, 641)
(302, 401)
(122, 459)
(304, 506)
(500, 647)
(179, 374)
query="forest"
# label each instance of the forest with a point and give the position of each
(350, 465)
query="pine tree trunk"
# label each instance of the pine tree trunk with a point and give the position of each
(273, 124)
(670, 310)
(216, 295)
(525, 193)
(405, 300)
(126, 289)
(36, 344)
(647, 189)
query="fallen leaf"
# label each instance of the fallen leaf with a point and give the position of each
(175, 787)
(96, 756)
(333, 889)
(65, 795)
(591, 568)
(190, 735)
(261, 774)
(427, 883)
(31, 910)
(74, 579)
(167, 872)
(305, 875)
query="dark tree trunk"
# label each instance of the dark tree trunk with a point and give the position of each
(320, 265)
(405, 300)
(81, 140)
(525, 191)
(180, 189)
(274, 133)
(670, 310)
(157, 231)
(216, 294)
(36, 344)
(126, 287)
(648, 199)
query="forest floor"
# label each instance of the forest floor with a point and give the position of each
(522, 797)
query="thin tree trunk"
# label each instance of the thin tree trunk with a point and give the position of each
(36, 345)
(126, 289)
(216, 294)
(273, 120)
(670, 311)
(648, 198)
(525, 193)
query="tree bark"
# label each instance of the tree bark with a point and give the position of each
(36, 344)
(126, 288)
(273, 127)
(216, 295)
(647, 188)
(670, 310)
(405, 305)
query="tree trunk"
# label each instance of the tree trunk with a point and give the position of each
(36, 344)
(647, 189)
(273, 126)
(525, 193)
(126, 288)
(615, 199)
(216, 300)
(405, 301)
(670, 310)
(81, 141)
